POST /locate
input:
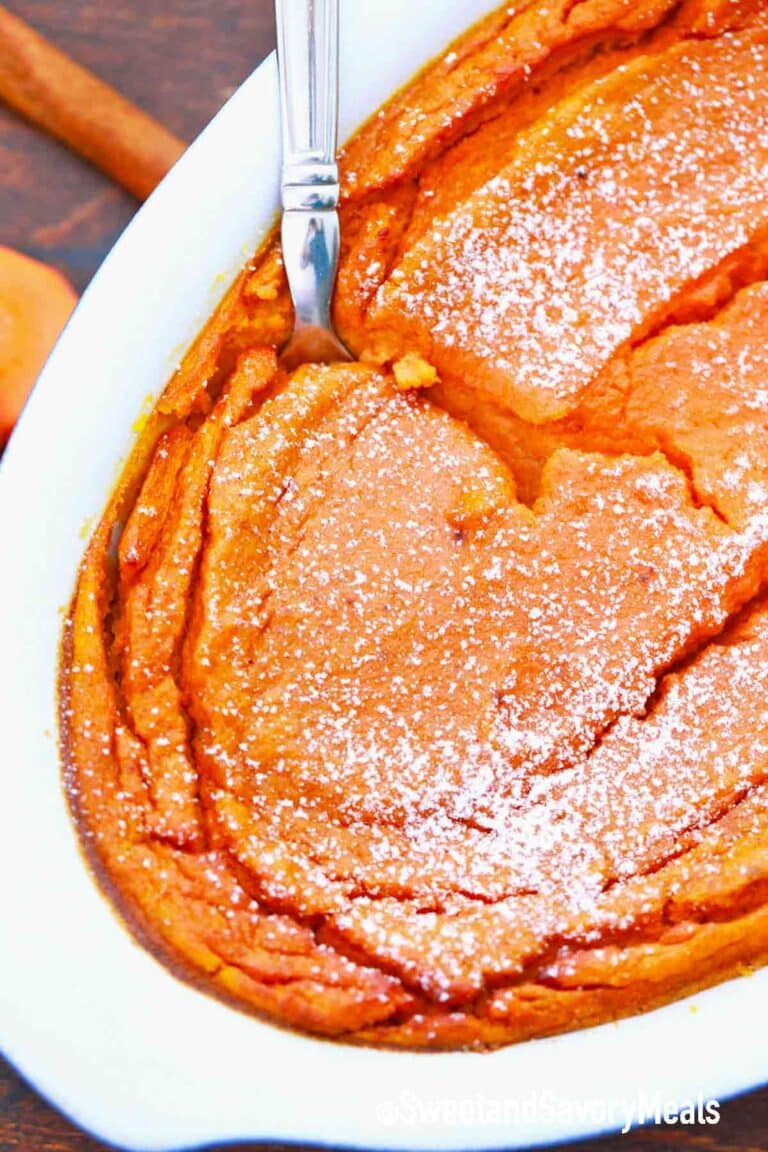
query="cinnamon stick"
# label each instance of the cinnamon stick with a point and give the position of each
(69, 102)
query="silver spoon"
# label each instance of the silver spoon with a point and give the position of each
(308, 62)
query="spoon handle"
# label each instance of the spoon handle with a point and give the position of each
(308, 58)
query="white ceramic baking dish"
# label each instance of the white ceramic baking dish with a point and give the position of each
(91, 1019)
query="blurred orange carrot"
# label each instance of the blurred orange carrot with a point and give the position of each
(35, 304)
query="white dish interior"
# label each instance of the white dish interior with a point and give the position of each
(93, 1020)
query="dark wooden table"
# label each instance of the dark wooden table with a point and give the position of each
(180, 60)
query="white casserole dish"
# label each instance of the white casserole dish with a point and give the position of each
(99, 1026)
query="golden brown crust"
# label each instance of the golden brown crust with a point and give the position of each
(357, 737)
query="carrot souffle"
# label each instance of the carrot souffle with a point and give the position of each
(423, 700)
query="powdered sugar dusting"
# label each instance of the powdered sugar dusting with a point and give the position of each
(620, 199)
(373, 744)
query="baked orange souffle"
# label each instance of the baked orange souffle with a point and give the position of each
(423, 701)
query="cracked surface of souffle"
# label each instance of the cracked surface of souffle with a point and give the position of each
(423, 701)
